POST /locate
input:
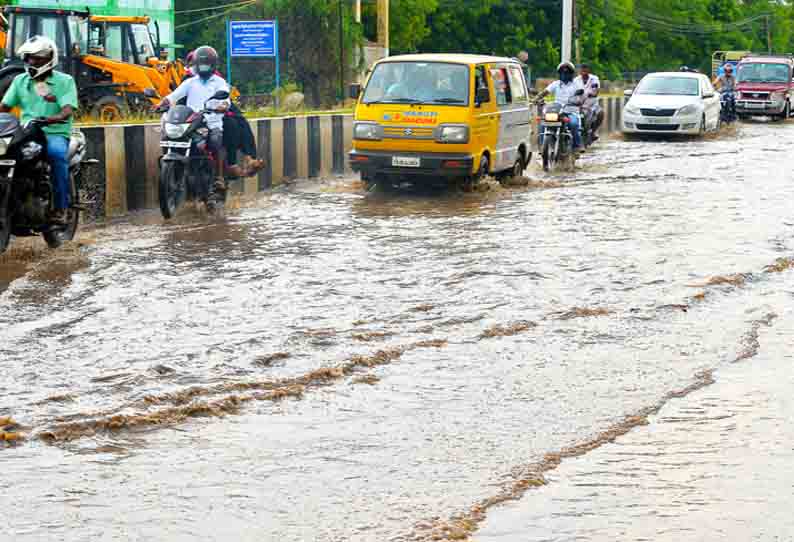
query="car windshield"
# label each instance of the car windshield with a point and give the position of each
(677, 86)
(418, 82)
(763, 72)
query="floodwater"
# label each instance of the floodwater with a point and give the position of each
(601, 355)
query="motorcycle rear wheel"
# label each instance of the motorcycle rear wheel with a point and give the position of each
(5, 233)
(56, 236)
(172, 188)
(548, 154)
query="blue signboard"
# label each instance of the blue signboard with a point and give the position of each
(253, 38)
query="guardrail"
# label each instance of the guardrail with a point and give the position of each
(292, 147)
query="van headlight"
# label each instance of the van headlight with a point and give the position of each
(367, 130)
(175, 131)
(688, 110)
(453, 133)
(4, 143)
(777, 96)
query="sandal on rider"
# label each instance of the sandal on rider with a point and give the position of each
(220, 184)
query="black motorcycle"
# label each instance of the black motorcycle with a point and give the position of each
(556, 134)
(189, 164)
(26, 183)
(728, 107)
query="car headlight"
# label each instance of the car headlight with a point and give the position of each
(4, 143)
(632, 109)
(175, 131)
(688, 110)
(367, 130)
(452, 134)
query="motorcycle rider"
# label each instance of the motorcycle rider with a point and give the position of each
(567, 91)
(726, 85)
(43, 93)
(592, 110)
(198, 91)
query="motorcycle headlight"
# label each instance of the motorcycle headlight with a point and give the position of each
(30, 150)
(452, 134)
(632, 109)
(366, 130)
(4, 143)
(688, 110)
(175, 131)
(552, 117)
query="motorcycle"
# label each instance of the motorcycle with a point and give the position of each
(188, 165)
(555, 130)
(728, 107)
(26, 183)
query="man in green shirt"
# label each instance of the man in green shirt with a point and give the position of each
(50, 96)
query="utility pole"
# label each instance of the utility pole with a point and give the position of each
(577, 48)
(768, 35)
(383, 25)
(341, 54)
(567, 29)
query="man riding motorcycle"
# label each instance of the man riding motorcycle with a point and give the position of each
(726, 85)
(567, 91)
(593, 112)
(51, 96)
(198, 91)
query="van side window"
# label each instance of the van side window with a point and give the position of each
(501, 86)
(480, 79)
(517, 88)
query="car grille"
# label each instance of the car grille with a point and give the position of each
(755, 95)
(658, 112)
(659, 127)
(407, 132)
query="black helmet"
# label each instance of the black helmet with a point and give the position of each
(205, 61)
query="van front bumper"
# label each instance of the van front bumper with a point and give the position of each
(760, 107)
(423, 164)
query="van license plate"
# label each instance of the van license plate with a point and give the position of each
(405, 161)
(753, 105)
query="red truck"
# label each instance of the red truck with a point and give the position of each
(764, 86)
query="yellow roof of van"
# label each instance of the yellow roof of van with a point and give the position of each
(450, 58)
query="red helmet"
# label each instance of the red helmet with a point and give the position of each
(205, 61)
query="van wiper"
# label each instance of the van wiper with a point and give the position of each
(449, 101)
(406, 100)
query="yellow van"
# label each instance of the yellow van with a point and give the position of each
(431, 118)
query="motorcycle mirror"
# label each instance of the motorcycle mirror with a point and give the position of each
(628, 92)
(579, 92)
(221, 95)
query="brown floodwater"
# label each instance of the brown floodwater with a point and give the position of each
(601, 354)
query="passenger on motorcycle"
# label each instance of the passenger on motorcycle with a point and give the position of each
(199, 91)
(726, 85)
(50, 96)
(591, 108)
(567, 93)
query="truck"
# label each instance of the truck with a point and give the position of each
(113, 59)
(764, 86)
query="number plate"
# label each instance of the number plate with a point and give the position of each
(8, 162)
(406, 161)
(752, 105)
(659, 120)
(175, 144)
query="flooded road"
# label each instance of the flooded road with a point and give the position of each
(601, 355)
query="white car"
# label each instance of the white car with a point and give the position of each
(672, 103)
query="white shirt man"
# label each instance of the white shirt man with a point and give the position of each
(198, 92)
(591, 87)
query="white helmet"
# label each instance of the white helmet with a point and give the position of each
(568, 65)
(39, 46)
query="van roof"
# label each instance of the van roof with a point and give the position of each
(676, 74)
(768, 58)
(449, 58)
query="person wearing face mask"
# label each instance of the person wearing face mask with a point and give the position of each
(569, 93)
(50, 96)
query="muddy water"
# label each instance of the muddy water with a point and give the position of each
(325, 364)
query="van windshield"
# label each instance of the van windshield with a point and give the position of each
(418, 83)
(763, 72)
(676, 86)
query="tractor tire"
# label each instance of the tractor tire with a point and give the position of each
(109, 109)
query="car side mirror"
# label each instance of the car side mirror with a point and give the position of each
(483, 96)
(354, 91)
(221, 95)
(150, 93)
(628, 92)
